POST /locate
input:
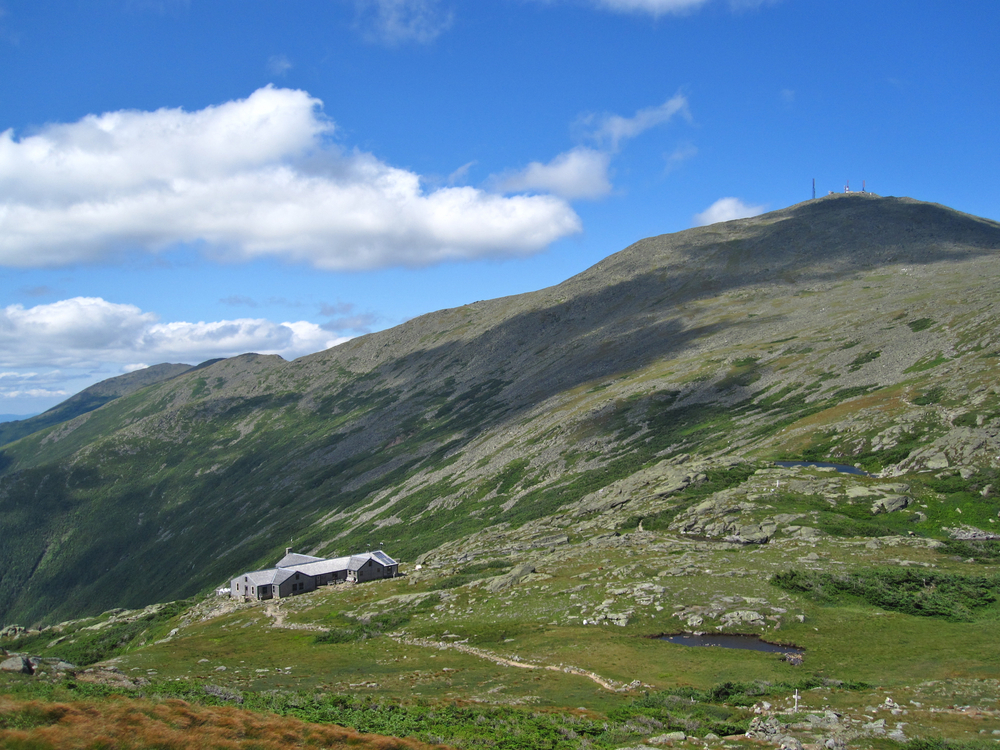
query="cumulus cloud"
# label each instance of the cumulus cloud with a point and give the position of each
(245, 179)
(579, 173)
(392, 22)
(726, 209)
(84, 332)
(583, 172)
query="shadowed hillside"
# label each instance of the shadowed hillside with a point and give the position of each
(815, 329)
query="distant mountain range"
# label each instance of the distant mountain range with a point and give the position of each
(853, 327)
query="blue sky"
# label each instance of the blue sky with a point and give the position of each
(182, 179)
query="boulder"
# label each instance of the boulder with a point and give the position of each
(663, 739)
(17, 664)
(742, 617)
(759, 533)
(514, 577)
(875, 727)
(768, 729)
(937, 461)
(970, 533)
(890, 503)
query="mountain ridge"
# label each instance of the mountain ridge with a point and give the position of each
(730, 342)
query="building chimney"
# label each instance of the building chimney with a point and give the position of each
(288, 550)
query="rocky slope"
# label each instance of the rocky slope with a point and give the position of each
(852, 327)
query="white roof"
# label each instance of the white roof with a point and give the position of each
(319, 567)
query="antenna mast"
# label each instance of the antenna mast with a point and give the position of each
(814, 188)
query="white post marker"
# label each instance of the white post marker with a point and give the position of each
(796, 700)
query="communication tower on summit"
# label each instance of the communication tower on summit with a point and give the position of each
(814, 188)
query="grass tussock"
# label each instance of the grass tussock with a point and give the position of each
(171, 725)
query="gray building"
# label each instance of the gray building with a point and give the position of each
(296, 573)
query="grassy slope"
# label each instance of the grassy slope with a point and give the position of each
(428, 688)
(756, 337)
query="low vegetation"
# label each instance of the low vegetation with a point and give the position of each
(914, 592)
(89, 641)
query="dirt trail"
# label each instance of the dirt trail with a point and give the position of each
(275, 612)
(607, 684)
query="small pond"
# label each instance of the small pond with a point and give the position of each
(730, 640)
(823, 464)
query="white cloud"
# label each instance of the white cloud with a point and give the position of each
(653, 7)
(583, 172)
(84, 332)
(394, 21)
(612, 129)
(248, 178)
(580, 173)
(33, 393)
(31, 385)
(726, 209)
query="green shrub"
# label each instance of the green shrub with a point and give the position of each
(920, 324)
(933, 396)
(980, 550)
(863, 359)
(950, 596)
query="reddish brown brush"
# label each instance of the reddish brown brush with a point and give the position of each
(172, 725)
